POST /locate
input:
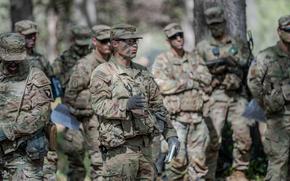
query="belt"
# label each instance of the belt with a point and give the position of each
(135, 144)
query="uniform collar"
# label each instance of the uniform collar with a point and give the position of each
(98, 57)
(131, 70)
(178, 60)
(279, 50)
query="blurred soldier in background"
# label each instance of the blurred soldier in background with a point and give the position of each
(184, 82)
(268, 80)
(62, 65)
(29, 30)
(226, 57)
(127, 102)
(78, 97)
(25, 95)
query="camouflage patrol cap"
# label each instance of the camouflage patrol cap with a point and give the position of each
(26, 27)
(82, 35)
(124, 31)
(12, 47)
(171, 29)
(214, 15)
(101, 32)
(284, 22)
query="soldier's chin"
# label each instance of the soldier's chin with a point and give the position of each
(30, 45)
(13, 68)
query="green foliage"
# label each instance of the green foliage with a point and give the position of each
(263, 18)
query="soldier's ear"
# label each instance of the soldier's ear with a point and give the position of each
(94, 41)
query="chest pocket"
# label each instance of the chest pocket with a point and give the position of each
(191, 101)
(280, 76)
(138, 122)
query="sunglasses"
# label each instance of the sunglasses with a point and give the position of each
(175, 36)
(130, 42)
(105, 41)
(287, 29)
(30, 36)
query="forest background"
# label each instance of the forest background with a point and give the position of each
(56, 17)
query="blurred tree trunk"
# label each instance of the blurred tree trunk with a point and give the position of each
(235, 11)
(235, 14)
(187, 24)
(20, 10)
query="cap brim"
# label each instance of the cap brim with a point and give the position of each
(216, 20)
(30, 31)
(131, 36)
(14, 56)
(83, 42)
(103, 37)
(173, 33)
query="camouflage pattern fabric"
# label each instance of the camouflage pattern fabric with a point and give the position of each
(62, 66)
(111, 86)
(78, 97)
(39, 61)
(268, 80)
(228, 100)
(182, 81)
(19, 161)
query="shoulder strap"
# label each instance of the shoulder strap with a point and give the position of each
(22, 97)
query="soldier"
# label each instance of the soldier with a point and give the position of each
(127, 102)
(62, 66)
(268, 80)
(77, 96)
(29, 30)
(226, 58)
(25, 106)
(184, 80)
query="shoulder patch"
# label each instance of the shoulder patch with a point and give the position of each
(102, 73)
(38, 78)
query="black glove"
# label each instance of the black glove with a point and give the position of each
(160, 163)
(2, 135)
(161, 119)
(135, 102)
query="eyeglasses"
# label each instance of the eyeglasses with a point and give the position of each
(175, 36)
(130, 42)
(104, 41)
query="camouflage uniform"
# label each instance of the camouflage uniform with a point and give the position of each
(25, 107)
(227, 100)
(35, 59)
(62, 65)
(268, 80)
(126, 136)
(181, 81)
(77, 96)
(62, 69)
(27, 27)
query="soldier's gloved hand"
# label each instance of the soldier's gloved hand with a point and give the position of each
(173, 141)
(231, 60)
(160, 120)
(2, 135)
(136, 102)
